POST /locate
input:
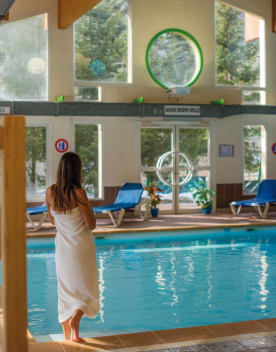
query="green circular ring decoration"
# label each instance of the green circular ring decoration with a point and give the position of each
(185, 34)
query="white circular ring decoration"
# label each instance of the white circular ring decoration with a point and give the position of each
(159, 168)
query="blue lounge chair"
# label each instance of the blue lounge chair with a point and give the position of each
(129, 197)
(40, 210)
(266, 195)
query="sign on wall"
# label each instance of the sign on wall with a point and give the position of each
(5, 110)
(226, 150)
(181, 110)
(61, 145)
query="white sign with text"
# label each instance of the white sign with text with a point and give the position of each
(181, 110)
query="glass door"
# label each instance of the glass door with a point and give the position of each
(194, 143)
(155, 142)
(176, 158)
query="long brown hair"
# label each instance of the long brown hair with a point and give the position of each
(68, 179)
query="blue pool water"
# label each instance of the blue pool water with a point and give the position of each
(155, 281)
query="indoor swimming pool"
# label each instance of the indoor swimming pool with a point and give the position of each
(155, 281)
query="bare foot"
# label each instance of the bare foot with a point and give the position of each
(74, 323)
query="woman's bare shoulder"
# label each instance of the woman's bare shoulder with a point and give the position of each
(49, 191)
(81, 195)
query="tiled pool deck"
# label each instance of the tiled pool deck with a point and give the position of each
(169, 222)
(258, 336)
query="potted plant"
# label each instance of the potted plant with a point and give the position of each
(203, 196)
(154, 198)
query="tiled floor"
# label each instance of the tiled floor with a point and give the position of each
(171, 222)
(246, 343)
(265, 342)
(258, 336)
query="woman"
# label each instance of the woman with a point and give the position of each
(76, 266)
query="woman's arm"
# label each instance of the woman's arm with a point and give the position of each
(86, 209)
(47, 200)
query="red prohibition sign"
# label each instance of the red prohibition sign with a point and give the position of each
(61, 145)
(273, 148)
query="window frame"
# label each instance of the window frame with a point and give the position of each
(102, 84)
(99, 123)
(47, 124)
(263, 149)
(196, 50)
(47, 86)
(263, 63)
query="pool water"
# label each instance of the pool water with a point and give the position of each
(155, 281)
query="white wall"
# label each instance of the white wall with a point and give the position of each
(230, 131)
(120, 154)
(148, 18)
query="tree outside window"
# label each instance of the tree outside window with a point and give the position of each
(237, 58)
(253, 161)
(86, 146)
(101, 43)
(24, 59)
(36, 162)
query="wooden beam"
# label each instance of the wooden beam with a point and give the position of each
(13, 220)
(70, 10)
(274, 16)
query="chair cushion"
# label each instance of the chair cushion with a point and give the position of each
(37, 210)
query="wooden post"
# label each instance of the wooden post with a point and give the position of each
(13, 222)
(274, 16)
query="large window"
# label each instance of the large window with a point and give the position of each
(101, 43)
(87, 146)
(24, 59)
(254, 138)
(240, 51)
(163, 160)
(174, 58)
(36, 162)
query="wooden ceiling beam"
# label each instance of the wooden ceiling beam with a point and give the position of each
(70, 10)
(274, 16)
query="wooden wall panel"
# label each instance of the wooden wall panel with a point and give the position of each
(70, 10)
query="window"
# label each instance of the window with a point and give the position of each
(87, 147)
(24, 59)
(174, 58)
(240, 48)
(101, 43)
(254, 157)
(194, 142)
(254, 97)
(36, 162)
(87, 94)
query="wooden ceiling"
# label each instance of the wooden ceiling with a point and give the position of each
(70, 10)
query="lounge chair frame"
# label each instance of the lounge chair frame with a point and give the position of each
(263, 214)
(117, 216)
(265, 197)
(41, 220)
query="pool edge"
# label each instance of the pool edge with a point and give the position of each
(159, 229)
(161, 339)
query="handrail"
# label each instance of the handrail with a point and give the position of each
(13, 240)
